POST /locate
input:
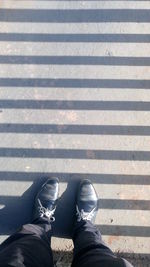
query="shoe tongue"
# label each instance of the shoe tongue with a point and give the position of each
(46, 196)
(86, 207)
(48, 204)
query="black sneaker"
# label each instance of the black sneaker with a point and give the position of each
(46, 200)
(87, 202)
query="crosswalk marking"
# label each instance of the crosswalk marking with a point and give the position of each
(74, 28)
(76, 117)
(75, 5)
(75, 49)
(74, 94)
(75, 165)
(51, 141)
(74, 86)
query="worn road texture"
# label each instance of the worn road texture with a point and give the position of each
(75, 103)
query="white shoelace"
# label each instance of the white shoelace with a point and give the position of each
(45, 212)
(82, 215)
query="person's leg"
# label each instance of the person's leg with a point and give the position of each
(30, 246)
(87, 236)
(89, 249)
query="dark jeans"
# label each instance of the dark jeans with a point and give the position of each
(30, 247)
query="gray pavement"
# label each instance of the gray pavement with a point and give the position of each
(75, 103)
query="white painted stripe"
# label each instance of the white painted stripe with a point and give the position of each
(75, 166)
(3, 237)
(39, 5)
(76, 28)
(17, 188)
(141, 118)
(122, 191)
(116, 243)
(104, 191)
(13, 188)
(74, 94)
(51, 141)
(123, 217)
(74, 72)
(63, 243)
(75, 49)
(128, 244)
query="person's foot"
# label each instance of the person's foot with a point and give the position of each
(87, 202)
(46, 200)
